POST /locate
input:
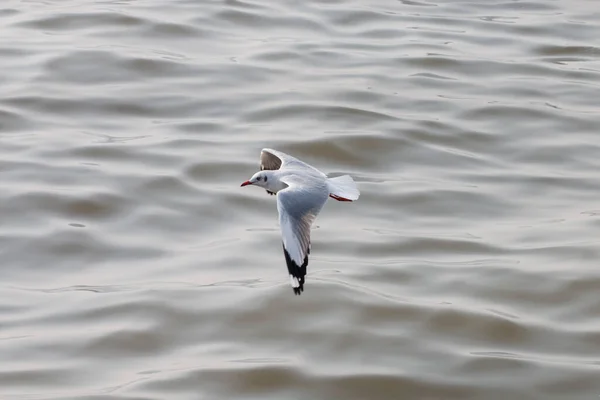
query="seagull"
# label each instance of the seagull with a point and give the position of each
(302, 191)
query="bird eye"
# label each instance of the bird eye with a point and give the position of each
(265, 178)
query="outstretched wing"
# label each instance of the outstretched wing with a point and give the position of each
(269, 160)
(272, 159)
(298, 206)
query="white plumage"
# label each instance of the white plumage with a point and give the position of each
(301, 194)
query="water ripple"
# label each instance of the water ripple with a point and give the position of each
(135, 267)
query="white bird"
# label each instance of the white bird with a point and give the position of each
(301, 193)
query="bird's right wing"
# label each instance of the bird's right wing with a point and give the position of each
(298, 206)
(269, 160)
(272, 159)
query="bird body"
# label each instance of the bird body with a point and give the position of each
(302, 191)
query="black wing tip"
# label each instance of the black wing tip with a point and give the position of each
(296, 271)
(298, 290)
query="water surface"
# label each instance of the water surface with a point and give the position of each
(134, 267)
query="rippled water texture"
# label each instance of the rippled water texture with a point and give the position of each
(135, 267)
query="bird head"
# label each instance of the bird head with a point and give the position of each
(259, 179)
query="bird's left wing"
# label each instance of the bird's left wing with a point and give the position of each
(298, 206)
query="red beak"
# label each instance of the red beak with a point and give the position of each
(246, 183)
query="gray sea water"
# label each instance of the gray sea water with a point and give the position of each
(133, 266)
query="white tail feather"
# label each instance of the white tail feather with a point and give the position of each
(343, 186)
